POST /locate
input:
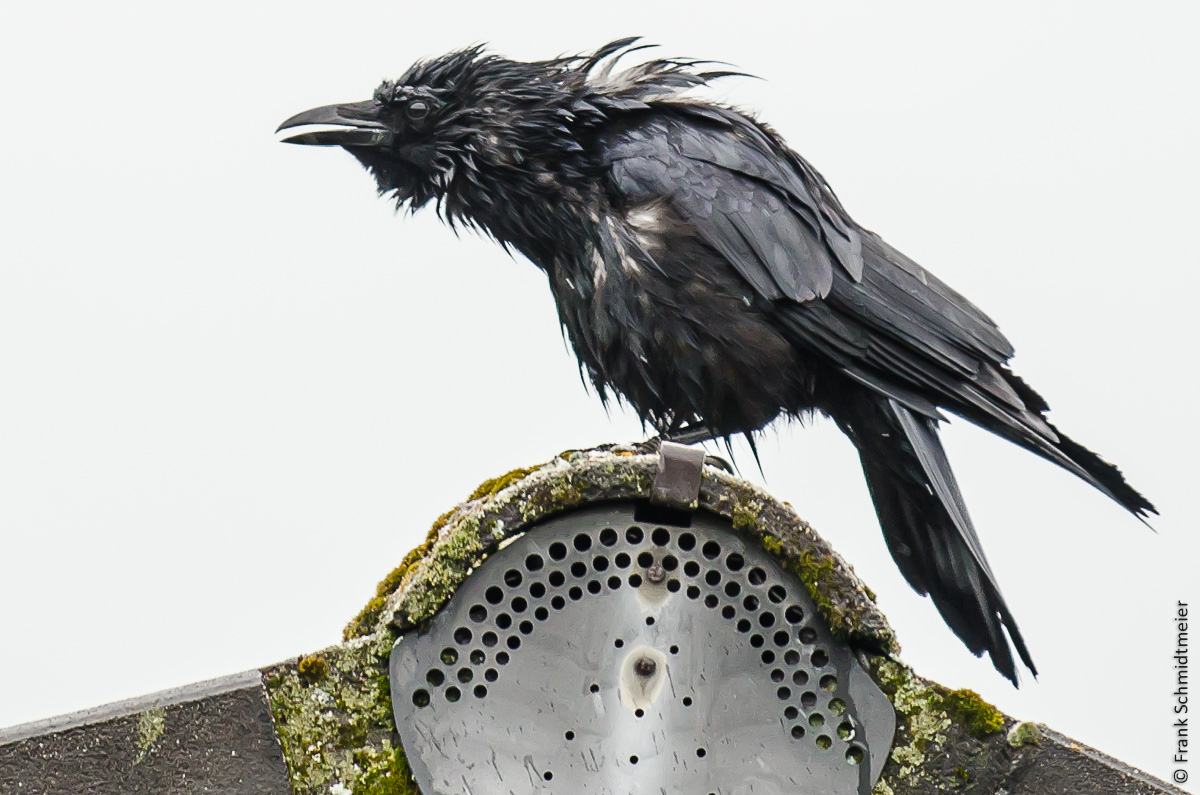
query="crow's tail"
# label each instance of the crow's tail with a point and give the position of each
(926, 526)
(1056, 446)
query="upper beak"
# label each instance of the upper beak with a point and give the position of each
(360, 118)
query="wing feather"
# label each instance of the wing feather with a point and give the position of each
(777, 249)
(842, 292)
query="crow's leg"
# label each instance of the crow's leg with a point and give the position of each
(691, 434)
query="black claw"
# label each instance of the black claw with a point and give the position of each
(719, 463)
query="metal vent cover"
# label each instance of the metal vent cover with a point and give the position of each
(601, 655)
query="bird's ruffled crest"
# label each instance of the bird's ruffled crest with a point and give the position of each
(654, 79)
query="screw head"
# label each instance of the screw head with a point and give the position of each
(644, 666)
(656, 574)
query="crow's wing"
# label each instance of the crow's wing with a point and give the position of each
(881, 318)
(840, 292)
(760, 217)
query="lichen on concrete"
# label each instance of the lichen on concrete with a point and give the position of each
(1023, 734)
(333, 717)
(953, 741)
(150, 727)
(946, 740)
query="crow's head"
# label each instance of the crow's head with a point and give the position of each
(471, 130)
(448, 124)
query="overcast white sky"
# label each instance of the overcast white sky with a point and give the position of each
(235, 388)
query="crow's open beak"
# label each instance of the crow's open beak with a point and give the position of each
(359, 120)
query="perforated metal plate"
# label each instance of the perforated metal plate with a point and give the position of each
(600, 655)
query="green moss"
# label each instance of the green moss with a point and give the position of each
(962, 775)
(772, 545)
(365, 622)
(493, 486)
(746, 521)
(978, 717)
(391, 778)
(478, 527)
(312, 669)
(362, 623)
(816, 572)
(820, 575)
(369, 617)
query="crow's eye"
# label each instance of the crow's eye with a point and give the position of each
(417, 109)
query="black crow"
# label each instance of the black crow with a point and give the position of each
(706, 273)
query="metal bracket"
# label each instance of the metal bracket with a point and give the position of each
(677, 483)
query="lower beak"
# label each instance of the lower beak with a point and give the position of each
(359, 120)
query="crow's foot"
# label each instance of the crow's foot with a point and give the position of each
(688, 436)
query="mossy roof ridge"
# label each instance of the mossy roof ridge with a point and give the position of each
(504, 507)
(334, 721)
(946, 740)
(954, 741)
(333, 718)
(332, 709)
